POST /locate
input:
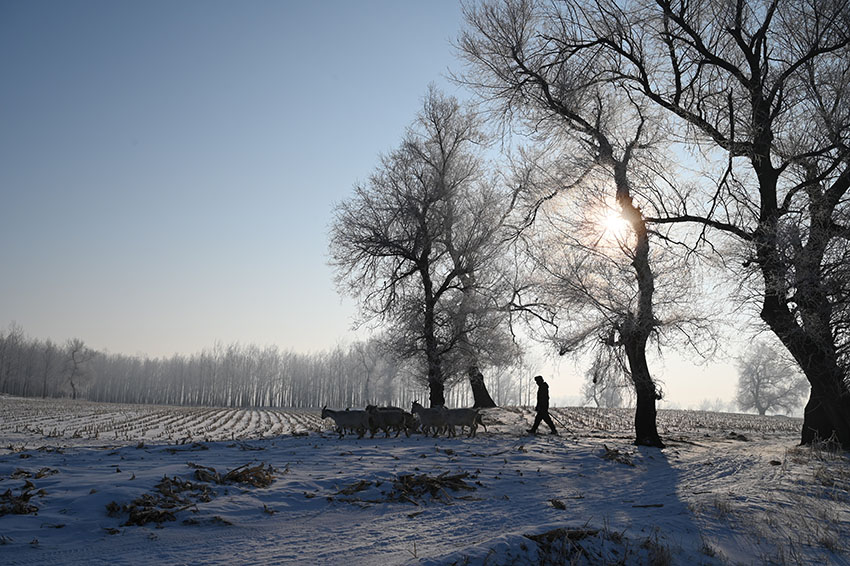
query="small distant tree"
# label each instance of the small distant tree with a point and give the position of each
(602, 394)
(768, 381)
(11, 346)
(49, 355)
(607, 380)
(77, 356)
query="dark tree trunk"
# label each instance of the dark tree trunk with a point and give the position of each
(827, 413)
(436, 387)
(436, 393)
(635, 330)
(815, 421)
(480, 395)
(646, 431)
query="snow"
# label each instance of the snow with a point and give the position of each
(729, 489)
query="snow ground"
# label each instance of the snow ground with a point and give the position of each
(729, 489)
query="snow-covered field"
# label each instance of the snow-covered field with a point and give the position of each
(84, 483)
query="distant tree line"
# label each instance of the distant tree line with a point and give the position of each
(233, 375)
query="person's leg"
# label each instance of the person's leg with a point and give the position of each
(548, 420)
(537, 419)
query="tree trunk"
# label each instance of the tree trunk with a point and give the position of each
(816, 421)
(808, 333)
(436, 388)
(636, 328)
(481, 397)
(827, 413)
(436, 393)
(646, 431)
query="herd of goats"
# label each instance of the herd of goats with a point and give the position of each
(434, 420)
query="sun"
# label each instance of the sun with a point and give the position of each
(615, 225)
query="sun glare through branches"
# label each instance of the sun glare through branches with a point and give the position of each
(613, 227)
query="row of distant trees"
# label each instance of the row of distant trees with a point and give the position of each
(232, 375)
(249, 376)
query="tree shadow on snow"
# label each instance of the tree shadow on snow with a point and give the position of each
(623, 504)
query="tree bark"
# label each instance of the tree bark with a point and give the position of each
(816, 421)
(635, 330)
(480, 395)
(646, 431)
(808, 336)
(827, 413)
(436, 386)
(436, 393)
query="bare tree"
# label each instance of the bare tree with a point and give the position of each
(768, 381)
(606, 381)
(521, 72)
(475, 241)
(760, 89)
(605, 394)
(11, 352)
(77, 355)
(765, 83)
(49, 355)
(410, 245)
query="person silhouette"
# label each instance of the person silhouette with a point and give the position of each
(542, 407)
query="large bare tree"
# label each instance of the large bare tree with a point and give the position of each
(760, 89)
(764, 84)
(608, 141)
(418, 245)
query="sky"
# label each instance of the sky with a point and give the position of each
(168, 170)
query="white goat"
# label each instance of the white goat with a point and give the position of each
(462, 418)
(433, 419)
(356, 421)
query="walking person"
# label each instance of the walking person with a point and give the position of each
(542, 407)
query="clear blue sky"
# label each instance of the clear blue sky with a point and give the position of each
(168, 169)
